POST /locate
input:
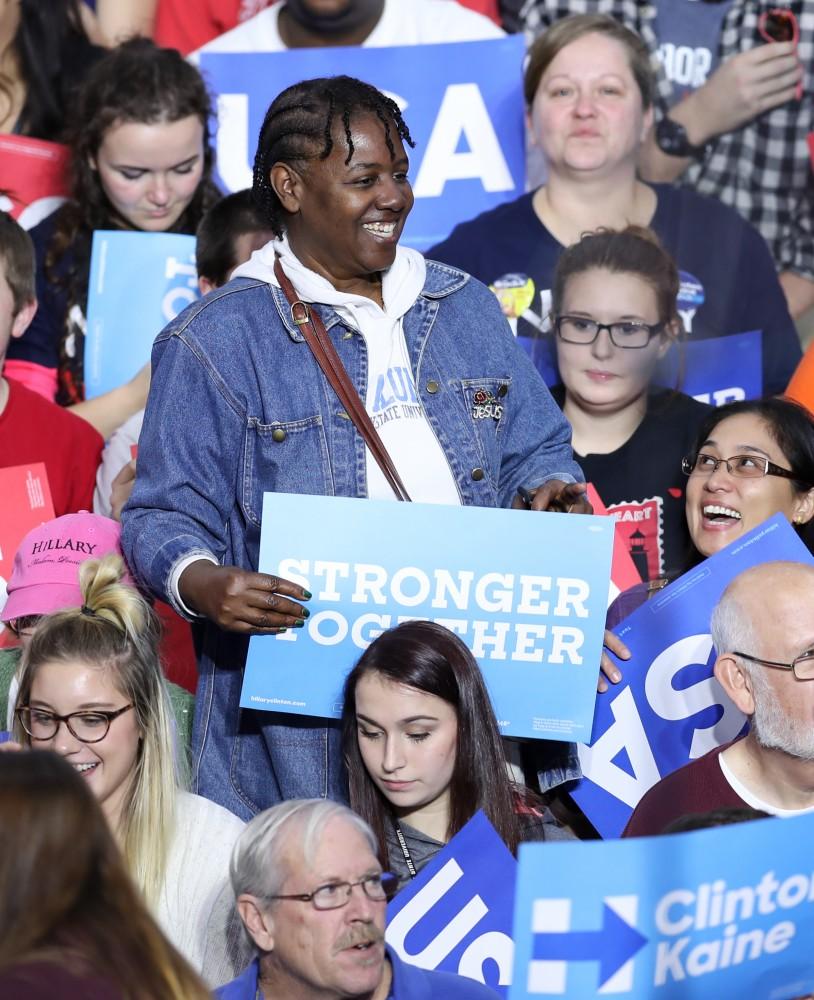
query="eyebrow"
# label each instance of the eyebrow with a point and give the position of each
(181, 163)
(619, 319)
(402, 722)
(88, 705)
(401, 162)
(743, 447)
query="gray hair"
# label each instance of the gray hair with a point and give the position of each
(731, 627)
(258, 867)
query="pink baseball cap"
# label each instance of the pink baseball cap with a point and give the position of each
(45, 576)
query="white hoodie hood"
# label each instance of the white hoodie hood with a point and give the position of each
(401, 285)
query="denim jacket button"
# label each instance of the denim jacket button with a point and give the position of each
(502, 391)
(278, 435)
(432, 386)
(477, 475)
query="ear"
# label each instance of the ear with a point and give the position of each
(669, 336)
(647, 121)
(804, 508)
(531, 138)
(256, 920)
(205, 285)
(736, 682)
(287, 184)
(22, 320)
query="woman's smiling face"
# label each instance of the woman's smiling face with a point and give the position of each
(721, 507)
(345, 218)
(108, 766)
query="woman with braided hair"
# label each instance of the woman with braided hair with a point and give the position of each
(239, 406)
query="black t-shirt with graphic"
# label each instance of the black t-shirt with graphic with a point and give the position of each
(642, 484)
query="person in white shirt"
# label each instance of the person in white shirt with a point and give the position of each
(300, 24)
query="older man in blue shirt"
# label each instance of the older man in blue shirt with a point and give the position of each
(312, 896)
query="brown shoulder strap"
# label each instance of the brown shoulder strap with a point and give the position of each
(316, 336)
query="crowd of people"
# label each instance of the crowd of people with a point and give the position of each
(204, 846)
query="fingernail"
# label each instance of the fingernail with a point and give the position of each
(299, 623)
(279, 630)
(308, 595)
(306, 613)
(616, 677)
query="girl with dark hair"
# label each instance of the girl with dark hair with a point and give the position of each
(423, 749)
(750, 460)
(46, 49)
(614, 317)
(235, 376)
(141, 159)
(72, 923)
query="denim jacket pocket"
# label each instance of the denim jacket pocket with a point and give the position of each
(284, 457)
(485, 401)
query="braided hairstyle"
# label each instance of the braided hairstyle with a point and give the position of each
(299, 126)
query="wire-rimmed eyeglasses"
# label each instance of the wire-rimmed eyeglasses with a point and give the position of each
(378, 887)
(625, 333)
(802, 666)
(740, 466)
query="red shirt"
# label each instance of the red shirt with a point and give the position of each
(698, 787)
(33, 429)
(186, 25)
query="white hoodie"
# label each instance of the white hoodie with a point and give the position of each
(392, 401)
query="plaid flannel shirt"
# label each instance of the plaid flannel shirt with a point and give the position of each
(763, 170)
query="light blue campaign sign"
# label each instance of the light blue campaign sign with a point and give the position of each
(138, 283)
(462, 102)
(707, 915)
(456, 915)
(715, 371)
(526, 593)
(669, 708)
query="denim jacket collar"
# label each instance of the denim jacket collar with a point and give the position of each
(441, 281)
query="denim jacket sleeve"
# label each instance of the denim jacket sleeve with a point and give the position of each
(184, 491)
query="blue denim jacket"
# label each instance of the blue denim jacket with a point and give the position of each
(229, 375)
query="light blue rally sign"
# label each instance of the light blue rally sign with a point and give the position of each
(462, 101)
(125, 316)
(456, 915)
(526, 593)
(707, 915)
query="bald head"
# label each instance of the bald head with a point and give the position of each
(764, 606)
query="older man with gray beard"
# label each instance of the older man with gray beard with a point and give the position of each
(763, 630)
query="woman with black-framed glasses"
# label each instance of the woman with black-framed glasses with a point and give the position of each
(91, 689)
(614, 317)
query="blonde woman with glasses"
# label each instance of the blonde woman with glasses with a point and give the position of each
(92, 690)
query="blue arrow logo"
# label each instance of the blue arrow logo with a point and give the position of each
(616, 943)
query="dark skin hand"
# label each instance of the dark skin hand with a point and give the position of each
(243, 602)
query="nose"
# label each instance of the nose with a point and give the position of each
(584, 106)
(360, 906)
(159, 190)
(393, 195)
(63, 741)
(720, 479)
(393, 758)
(602, 347)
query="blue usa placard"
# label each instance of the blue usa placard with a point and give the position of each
(715, 371)
(526, 592)
(456, 915)
(138, 283)
(669, 709)
(707, 915)
(462, 102)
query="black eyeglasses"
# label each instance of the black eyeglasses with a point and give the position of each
(87, 727)
(802, 666)
(581, 330)
(740, 466)
(334, 895)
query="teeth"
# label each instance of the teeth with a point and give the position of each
(382, 228)
(83, 767)
(713, 509)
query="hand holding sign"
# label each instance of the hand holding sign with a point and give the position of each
(239, 601)
(555, 495)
